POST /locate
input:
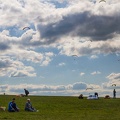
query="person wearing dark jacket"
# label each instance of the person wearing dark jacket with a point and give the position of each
(26, 92)
(28, 106)
(114, 93)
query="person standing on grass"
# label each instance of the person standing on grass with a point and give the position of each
(114, 93)
(28, 106)
(96, 94)
(12, 107)
(26, 92)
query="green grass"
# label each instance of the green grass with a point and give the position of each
(63, 108)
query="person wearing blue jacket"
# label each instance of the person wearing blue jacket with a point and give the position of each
(12, 107)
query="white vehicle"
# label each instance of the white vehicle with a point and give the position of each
(92, 97)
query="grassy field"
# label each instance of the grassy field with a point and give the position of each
(63, 108)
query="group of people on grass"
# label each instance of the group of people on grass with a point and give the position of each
(96, 95)
(12, 107)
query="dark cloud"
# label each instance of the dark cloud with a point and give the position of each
(84, 24)
(79, 85)
(4, 46)
(4, 64)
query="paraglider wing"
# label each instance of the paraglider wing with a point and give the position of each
(26, 28)
(113, 84)
(102, 1)
(74, 55)
(89, 88)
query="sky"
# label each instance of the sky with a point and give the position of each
(60, 47)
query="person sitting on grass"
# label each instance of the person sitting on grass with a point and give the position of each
(28, 106)
(80, 96)
(12, 107)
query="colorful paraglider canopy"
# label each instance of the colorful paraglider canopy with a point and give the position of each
(26, 28)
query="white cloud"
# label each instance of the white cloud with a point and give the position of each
(62, 64)
(82, 73)
(95, 73)
(12, 68)
(17, 89)
(93, 57)
(114, 76)
(47, 58)
(23, 73)
(58, 17)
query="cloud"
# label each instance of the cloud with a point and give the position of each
(82, 73)
(42, 77)
(74, 21)
(3, 88)
(79, 85)
(47, 58)
(71, 89)
(93, 57)
(114, 76)
(12, 68)
(23, 73)
(79, 27)
(3, 46)
(62, 64)
(95, 73)
(82, 24)
(4, 62)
